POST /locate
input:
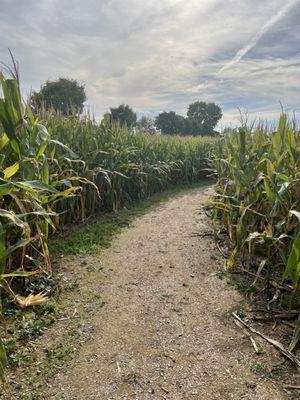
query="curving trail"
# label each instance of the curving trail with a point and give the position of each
(165, 330)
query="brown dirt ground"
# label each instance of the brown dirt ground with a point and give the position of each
(165, 330)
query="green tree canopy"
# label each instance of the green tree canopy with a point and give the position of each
(124, 115)
(203, 117)
(64, 95)
(171, 123)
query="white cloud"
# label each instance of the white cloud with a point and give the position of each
(253, 41)
(158, 54)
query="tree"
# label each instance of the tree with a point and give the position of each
(171, 123)
(146, 125)
(203, 117)
(64, 95)
(124, 115)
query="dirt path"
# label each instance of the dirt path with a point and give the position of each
(165, 330)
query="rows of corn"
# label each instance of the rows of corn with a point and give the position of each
(124, 166)
(56, 171)
(258, 205)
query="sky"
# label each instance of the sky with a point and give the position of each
(161, 55)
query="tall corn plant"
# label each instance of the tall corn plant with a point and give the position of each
(30, 184)
(258, 198)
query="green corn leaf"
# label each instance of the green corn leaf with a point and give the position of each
(63, 146)
(7, 188)
(45, 173)
(294, 258)
(4, 140)
(18, 274)
(3, 365)
(277, 140)
(296, 336)
(10, 215)
(20, 244)
(3, 357)
(230, 262)
(11, 171)
(42, 149)
(271, 196)
(2, 249)
(36, 186)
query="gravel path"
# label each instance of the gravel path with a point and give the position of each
(165, 331)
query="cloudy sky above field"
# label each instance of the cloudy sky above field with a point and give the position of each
(161, 54)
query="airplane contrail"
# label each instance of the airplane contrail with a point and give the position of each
(244, 50)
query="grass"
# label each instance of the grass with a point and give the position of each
(250, 385)
(24, 327)
(275, 373)
(260, 369)
(56, 358)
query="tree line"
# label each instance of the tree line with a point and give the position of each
(67, 95)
